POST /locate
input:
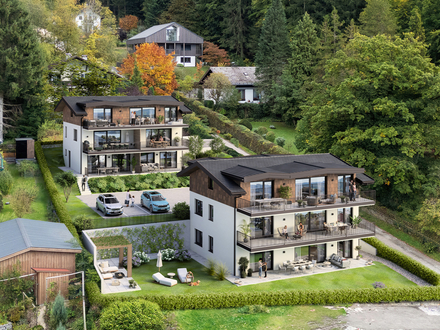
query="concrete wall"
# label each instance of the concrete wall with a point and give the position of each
(75, 147)
(367, 248)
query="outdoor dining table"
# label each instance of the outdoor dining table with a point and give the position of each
(340, 226)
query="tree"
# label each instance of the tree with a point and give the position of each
(152, 10)
(136, 78)
(209, 18)
(21, 68)
(379, 110)
(429, 216)
(59, 312)
(416, 25)
(273, 50)
(181, 11)
(214, 55)
(218, 88)
(377, 18)
(195, 145)
(156, 68)
(217, 145)
(128, 22)
(66, 180)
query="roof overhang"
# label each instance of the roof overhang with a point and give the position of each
(36, 249)
(364, 179)
(50, 270)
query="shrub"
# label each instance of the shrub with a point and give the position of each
(66, 180)
(379, 285)
(217, 145)
(168, 254)
(228, 136)
(82, 222)
(246, 123)
(135, 261)
(27, 168)
(22, 198)
(210, 269)
(235, 142)
(280, 141)
(221, 271)
(181, 211)
(144, 258)
(261, 130)
(232, 152)
(208, 104)
(6, 181)
(59, 312)
(132, 315)
(182, 255)
(270, 136)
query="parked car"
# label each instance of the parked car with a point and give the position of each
(154, 201)
(109, 204)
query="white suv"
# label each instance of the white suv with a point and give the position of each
(109, 205)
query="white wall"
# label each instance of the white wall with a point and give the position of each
(221, 229)
(75, 147)
(249, 95)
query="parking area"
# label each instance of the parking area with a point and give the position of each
(173, 196)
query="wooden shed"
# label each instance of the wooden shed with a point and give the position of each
(38, 247)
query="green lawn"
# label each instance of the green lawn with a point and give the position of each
(39, 205)
(121, 54)
(283, 130)
(280, 317)
(351, 278)
(191, 71)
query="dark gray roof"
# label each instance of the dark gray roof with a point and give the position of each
(20, 234)
(237, 75)
(228, 172)
(157, 28)
(364, 179)
(78, 103)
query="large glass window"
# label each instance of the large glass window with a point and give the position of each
(317, 186)
(310, 187)
(301, 253)
(170, 114)
(344, 215)
(318, 252)
(172, 34)
(344, 185)
(121, 161)
(147, 158)
(256, 94)
(265, 256)
(168, 159)
(302, 188)
(261, 227)
(102, 114)
(345, 249)
(95, 162)
(301, 217)
(155, 134)
(316, 221)
(144, 112)
(105, 137)
(261, 190)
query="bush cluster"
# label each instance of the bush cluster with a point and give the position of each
(182, 255)
(246, 123)
(168, 254)
(404, 261)
(137, 182)
(181, 211)
(274, 298)
(247, 138)
(57, 200)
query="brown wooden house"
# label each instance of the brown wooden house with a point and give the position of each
(38, 247)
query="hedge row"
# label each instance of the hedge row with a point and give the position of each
(274, 298)
(247, 138)
(57, 201)
(404, 261)
(45, 143)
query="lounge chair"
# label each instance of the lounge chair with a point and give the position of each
(105, 268)
(159, 278)
(181, 273)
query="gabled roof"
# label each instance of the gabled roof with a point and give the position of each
(237, 75)
(24, 234)
(87, 62)
(155, 29)
(78, 103)
(229, 172)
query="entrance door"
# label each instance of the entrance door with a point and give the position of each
(317, 252)
(69, 160)
(345, 249)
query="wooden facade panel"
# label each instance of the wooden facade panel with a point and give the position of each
(62, 284)
(332, 184)
(69, 117)
(185, 36)
(199, 184)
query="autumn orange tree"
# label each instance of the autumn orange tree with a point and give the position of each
(214, 55)
(128, 22)
(156, 68)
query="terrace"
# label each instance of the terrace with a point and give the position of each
(99, 124)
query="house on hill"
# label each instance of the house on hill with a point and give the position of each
(174, 38)
(88, 20)
(241, 77)
(42, 248)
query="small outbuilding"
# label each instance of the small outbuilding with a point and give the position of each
(42, 248)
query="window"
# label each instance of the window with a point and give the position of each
(242, 94)
(154, 134)
(344, 215)
(199, 207)
(75, 135)
(187, 47)
(261, 227)
(314, 221)
(147, 158)
(256, 95)
(170, 114)
(344, 185)
(103, 114)
(168, 159)
(172, 34)
(261, 190)
(182, 60)
(65, 131)
(211, 212)
(144, 112)
(210, 184)
(185, 60)
(199, 238)
(310, 187)
(106, 137)
(198, 50)
(211, 244)
(65, 152)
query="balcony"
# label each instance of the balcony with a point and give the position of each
(254, 244)
(267, 206)
(99, 124)
(135, 147)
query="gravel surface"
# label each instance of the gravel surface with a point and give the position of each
(410, 276)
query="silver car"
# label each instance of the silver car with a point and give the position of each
(109, 205)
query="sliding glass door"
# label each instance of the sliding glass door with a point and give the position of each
(266, 256)
(261, 227)
(168, 159)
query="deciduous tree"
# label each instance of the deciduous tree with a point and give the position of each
(214, 55)
(156, 68)
(128, 22)
(218, 88)
(66, 180)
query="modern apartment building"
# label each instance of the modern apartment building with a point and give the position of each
(237, 209)
(117, 134)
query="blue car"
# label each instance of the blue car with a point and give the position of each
(154, 201)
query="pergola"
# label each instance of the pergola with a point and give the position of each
(115, 242)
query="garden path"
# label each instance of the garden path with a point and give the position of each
(230, 145)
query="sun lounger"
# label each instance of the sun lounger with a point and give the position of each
(181, 272)
(159, 278)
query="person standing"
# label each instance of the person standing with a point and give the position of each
(84, 181)
(132, 200)
(265, 268)
(127, 198)
(133, 118)
(260, 267)
(301, 228)
(351, 190)
(354, 191)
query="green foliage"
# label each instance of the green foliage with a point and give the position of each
(82, 222)
(232, 152)
(11, 290)
(22, 197)
(243, 262)
(221, 271)
(235, 142)
(27, 168)
(208, 103)
(210, 269)
(6, 181)
(217, 146)
(261, 130)
(181, 211)
(196, 126)
(270, 136)
(195, 145)
(218, 88)
(285, 192)
(228, 136)
(66, 180)
(246, 123)
(404, 261)
(59, 312)
(132, 315)
(254, 309)
(1, 202)
(378, 18)
(49, 131)
(280, 141)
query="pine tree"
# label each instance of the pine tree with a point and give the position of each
(136, 78)
(416, 25)
(273, 50)
(21, 66)
(378, 18)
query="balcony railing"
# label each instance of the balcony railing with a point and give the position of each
(305, 204)
(364, 229)
(102, 123)
(137, 146)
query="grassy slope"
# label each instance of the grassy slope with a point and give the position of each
(191, 71)
(281, 317)
(39, 205)
(351, 278)
(283, 130)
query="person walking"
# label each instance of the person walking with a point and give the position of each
(132, 200)
(265, 268)
(260, 267)
(84, 181)
(127, 198)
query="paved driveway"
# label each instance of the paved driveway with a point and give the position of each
(173, 196)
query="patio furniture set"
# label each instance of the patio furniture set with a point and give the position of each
(106, 270)
(339, 261)
(182, 273)
(107, 170)
(332, 227)
(299, 266)
(149, 167)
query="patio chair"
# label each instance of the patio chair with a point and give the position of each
(105, 268)
(181, 273)
(159, 278)
(282, 267)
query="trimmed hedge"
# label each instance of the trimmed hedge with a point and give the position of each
(57, 200)
(274, 298)
(247, 138)
(404, 261)
(45, 143)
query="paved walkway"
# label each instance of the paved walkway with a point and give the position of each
(230, 145)
(411, 252)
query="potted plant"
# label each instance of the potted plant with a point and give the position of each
(358, 248)
(249, 272)
(246, 230)
(300, 201)
(177, 140)
(243, 262)
(160, 119)
(285, 192)
(133, 164)
(119, 122)
(132, 284)
(355, 221)
(342, 199)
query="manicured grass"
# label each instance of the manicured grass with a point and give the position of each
(283, 130)
(191, 71)
(280, 317)
(351, 278)
(128, 221)
(39, 205)
(407, 238)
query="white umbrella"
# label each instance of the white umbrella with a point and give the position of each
(159, 260)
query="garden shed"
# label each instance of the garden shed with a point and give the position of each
(42, 248)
